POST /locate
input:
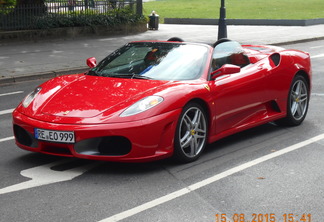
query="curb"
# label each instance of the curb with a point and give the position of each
(299, 41)
(70, 32)
(257, 22)
(42, 75)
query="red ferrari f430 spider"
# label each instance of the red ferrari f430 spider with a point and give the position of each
(150, 100)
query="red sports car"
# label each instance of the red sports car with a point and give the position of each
(150, 100)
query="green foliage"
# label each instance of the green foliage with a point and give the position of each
(7, 3)
(89, 17)
(77, 19)
(238, 9)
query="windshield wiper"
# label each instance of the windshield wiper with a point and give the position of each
(92, 73)
(141, 77)
(131, 76)
(117, 75)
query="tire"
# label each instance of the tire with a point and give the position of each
(191, 133)
(297, 103)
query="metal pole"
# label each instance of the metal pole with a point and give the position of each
(222, 29)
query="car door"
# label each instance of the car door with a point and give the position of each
(239, 99)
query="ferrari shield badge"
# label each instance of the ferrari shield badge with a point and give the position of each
(207, 87)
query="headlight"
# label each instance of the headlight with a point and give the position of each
(142, 105)
(30, 97)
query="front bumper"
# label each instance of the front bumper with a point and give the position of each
(138, 141)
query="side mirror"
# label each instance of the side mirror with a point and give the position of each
(226, 69)
(92, 62)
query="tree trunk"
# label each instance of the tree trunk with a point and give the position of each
(31, 7)
(30, 2)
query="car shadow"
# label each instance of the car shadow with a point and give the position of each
(212, 152)
(231, 144)
(240, 137)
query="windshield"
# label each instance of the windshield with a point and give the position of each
(152, 60)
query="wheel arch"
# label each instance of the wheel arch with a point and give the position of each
(290, 119)
(207, 110)
(204, 105)
(306, 76)
(180, 153)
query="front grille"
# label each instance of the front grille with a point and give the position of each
(114, 145)
(56, 150)
(104, 146)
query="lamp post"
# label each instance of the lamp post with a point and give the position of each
(222, 29)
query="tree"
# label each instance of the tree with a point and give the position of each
(32, 7)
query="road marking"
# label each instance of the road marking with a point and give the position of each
(193, 187)
(317, 94)
(7, 138)
(316, 47)
(44, 175)
(317, 56)
(11, 93)
(7, 111)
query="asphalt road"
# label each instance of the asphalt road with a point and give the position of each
(267, 174)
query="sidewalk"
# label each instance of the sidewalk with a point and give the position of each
(45, 59)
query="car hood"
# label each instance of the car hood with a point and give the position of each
(82, 96)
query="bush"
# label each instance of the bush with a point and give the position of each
(88, 17)
(7, 3)
(77, 19)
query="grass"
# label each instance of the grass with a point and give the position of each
(237, 9)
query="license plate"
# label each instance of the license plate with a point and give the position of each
(55, 136)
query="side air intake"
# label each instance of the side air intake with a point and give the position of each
(275, 58)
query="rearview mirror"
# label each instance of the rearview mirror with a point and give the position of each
(226, 69)
(92, 62)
